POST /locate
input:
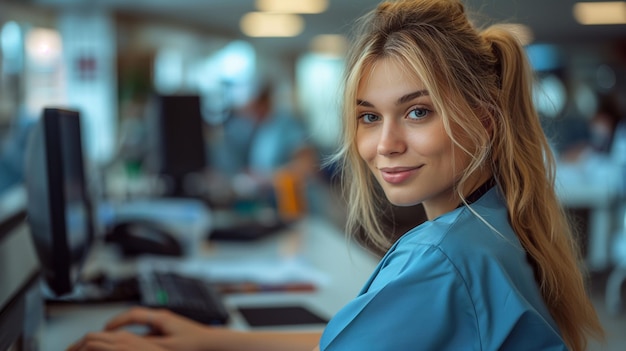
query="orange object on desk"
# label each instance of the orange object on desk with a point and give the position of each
(290, 195)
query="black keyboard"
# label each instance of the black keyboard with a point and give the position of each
(190, 297)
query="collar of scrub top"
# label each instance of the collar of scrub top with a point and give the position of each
(479, 192)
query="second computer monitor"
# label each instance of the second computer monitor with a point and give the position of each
(178, 147)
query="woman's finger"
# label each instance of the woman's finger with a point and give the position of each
(92, 342)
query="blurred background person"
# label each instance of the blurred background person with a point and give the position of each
(258, 139)
(601, 130)
(260, 149)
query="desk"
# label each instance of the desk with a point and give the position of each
(313, 240)
(596, 185)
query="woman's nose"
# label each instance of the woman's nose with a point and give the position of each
(391, 139)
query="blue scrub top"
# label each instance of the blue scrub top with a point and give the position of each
(452, 283)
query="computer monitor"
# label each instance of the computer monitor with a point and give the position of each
(58, 206)
(177, 147)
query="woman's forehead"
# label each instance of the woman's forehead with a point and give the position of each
(390, 66)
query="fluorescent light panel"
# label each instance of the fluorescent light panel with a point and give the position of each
(292, 6)
(261, 24)
(592, 13)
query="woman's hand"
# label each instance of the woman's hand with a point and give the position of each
(169, 331)
(114, 341)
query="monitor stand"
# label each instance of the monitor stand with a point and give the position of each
(99, 289)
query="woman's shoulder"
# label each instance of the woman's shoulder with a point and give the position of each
(481, 246)
(474, 253)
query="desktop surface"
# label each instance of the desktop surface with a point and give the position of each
(315, 243)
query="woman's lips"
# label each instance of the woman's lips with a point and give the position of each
(397, 175)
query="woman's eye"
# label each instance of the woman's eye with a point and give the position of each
(369, 118)
(418, 113)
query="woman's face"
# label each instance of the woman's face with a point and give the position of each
(403, 141)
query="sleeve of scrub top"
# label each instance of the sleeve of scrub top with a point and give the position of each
(414, 303)
(418, 301)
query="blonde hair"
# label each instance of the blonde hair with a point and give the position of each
(480, 82)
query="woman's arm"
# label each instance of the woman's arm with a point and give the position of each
(170, 331)
(265, 341)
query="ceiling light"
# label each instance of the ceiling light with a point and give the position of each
(612, 12)
(292, 6)
(260, 24)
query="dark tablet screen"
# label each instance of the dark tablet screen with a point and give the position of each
(280, 315)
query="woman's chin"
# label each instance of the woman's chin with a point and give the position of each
(403, 202)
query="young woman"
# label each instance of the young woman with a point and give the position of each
(440, 113)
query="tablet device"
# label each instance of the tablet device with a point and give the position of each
(280, 315)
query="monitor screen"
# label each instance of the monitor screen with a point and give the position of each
(175, 125)
(58, 207)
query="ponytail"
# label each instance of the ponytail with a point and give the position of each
(525, 168)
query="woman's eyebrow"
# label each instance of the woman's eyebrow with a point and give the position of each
(403, 99)
(360, 102)
(411, 96)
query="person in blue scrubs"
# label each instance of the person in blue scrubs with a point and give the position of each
(257, 144)
(259, 138)
(437, 112)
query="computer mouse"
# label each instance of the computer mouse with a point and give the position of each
(141, 237)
